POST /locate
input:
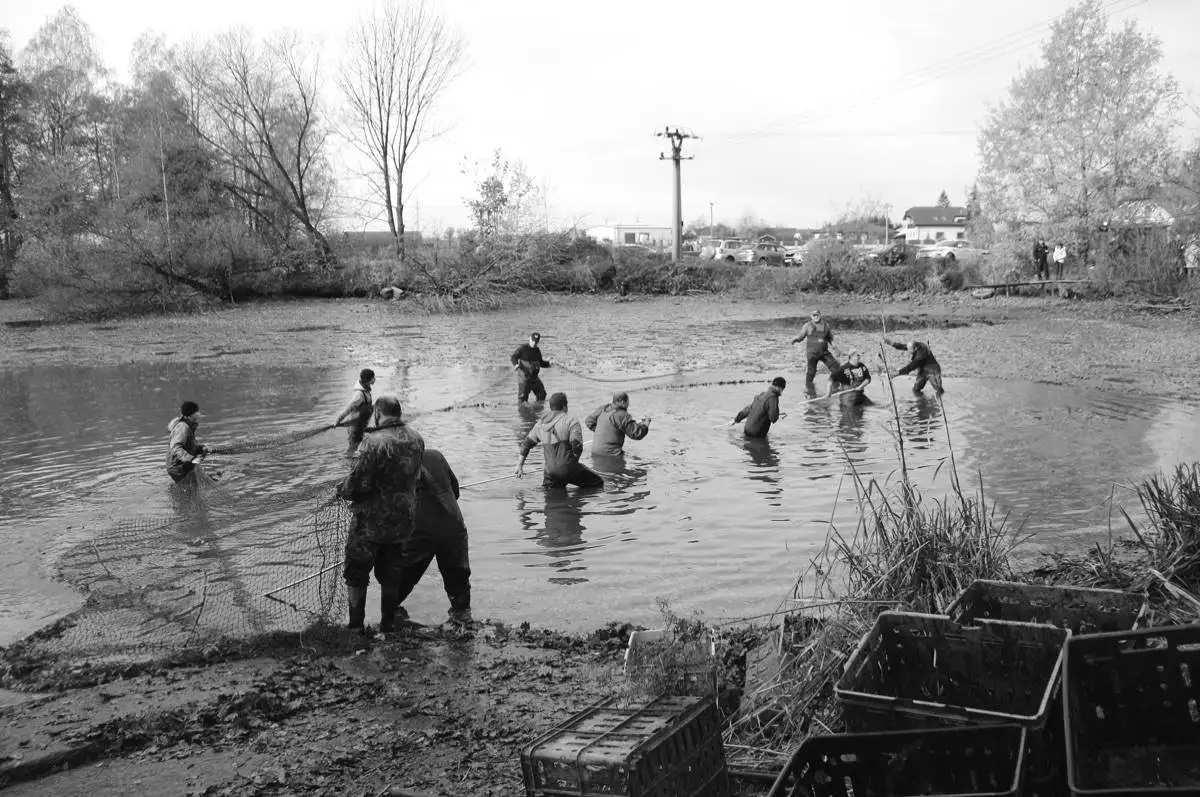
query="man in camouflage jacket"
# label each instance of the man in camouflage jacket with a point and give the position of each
(382, 489)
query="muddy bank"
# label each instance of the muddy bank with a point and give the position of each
(428, 711)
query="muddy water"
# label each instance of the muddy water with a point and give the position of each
(695, 513)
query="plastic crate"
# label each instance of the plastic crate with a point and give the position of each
(979, 760)
(922, 670)
(1132, 712)
(666, 747)
(925, 670)
(1082, 610)
(682, 670)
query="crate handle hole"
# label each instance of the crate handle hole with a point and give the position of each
(1186, 673)
(1099, 712)
(1188, 647)
(1193, 710)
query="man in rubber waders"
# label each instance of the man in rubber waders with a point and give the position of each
(818, 349)
(183, 452)
(528, 362)
(923, 363)
(854, 376)
(763, 411)
(561, 438)
(612, 423)
(382, 490)
(358, 412)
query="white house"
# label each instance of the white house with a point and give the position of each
(625, 234)
(934, 224)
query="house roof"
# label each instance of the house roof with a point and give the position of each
(926, 216)
(1141, 213)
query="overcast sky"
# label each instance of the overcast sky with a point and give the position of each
(801, 107)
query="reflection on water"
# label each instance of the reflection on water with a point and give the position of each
(695, 512)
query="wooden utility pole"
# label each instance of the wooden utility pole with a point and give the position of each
(676, 138)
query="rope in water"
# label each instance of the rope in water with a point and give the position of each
(609, 380)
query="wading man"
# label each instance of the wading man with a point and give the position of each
(358, 412)
(852, 375)
(528, 362)
(818, 348)
(439, 533)
(763, 411)
(923, 363)
(561, 438)
(182, 450)
(612, 423)
(381, 489)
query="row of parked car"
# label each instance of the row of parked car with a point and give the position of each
(735, 250)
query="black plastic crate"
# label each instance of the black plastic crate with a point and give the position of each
(666, 747)
(1082, 610)
(1132, 712)
(977, 760)
(925, 670)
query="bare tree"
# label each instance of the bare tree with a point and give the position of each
(398, 61)
(259, 112)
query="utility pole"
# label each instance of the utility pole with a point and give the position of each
(710, 221)
(676, 138)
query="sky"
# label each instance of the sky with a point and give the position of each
(800, 108)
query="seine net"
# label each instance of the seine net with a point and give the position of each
(220, 567)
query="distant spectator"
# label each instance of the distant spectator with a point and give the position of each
(1041, 254)
(1060, 259)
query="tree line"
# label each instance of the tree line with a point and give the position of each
(210, 168)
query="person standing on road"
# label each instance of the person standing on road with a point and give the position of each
(923, 363)
(561, 438)
(612, 423)
(763, 411)
(819, 337)
(183, 452)
(1060, 259)
(439, 532)
(358, 412)
(527, 359)
(381, 489)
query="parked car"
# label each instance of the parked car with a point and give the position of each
(950, 251)
(763, 254)
(793, 255)
(726, 248)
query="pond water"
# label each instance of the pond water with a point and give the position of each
(696, 514)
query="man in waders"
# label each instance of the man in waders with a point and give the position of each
(852, 375)
(923, 363)
(439, 532)
(358, 412)
(183, 452)
(381, 489)
(561, 437)
(763, 411)
(612, 423)
(528, 361)
(819, 337)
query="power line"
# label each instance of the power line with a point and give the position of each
(932, 72)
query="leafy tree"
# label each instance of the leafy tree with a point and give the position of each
(943, 200)
(507, 199)
(399, 61)
(14, 105)
(1087, 129)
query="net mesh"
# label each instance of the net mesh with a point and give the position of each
(220, 567)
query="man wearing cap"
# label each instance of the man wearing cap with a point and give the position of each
(562, 443)
(527, 359)
(852, 375)
(612, 423)
(381, 489)
(358, 412)
(763, 411)
(818, 350)
(183, 452)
